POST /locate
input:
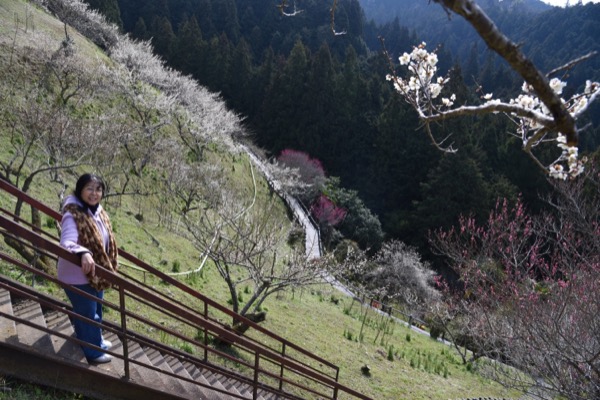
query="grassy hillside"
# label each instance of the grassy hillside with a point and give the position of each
(403, 364)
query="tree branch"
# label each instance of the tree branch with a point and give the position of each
(508, 50)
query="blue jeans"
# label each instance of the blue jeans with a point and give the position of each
(90, 309)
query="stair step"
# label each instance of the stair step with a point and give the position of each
(198, 375)
(117, 365)
(177, 367)
(164, 382)
(60, 322)
(8, 330)
(237, 387)
(30, 336)
(195, 372)
(157, 359)
(188, 389)
(194, 391)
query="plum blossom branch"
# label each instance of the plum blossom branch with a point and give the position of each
(539, 113)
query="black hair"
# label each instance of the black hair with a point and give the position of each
(84, 180)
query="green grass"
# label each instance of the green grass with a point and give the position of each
(403, 365)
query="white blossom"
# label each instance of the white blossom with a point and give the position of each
(404, 59)
(557, 85)
(557, 171)
(435, 90)
(526, 101)
(432, 59)
(526, 88)
(579, 105)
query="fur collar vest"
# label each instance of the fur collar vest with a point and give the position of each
(90, 237)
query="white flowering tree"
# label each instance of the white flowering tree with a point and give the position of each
(539, 113)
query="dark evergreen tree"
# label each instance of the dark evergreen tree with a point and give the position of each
(263, 79)
(108, 8)
(402, 157)
(282, 118)
(204, 14)
(218, 59)
(225, 19)
(354, 117)
(320, 137)
(239, 79)
(359, 224)
(163, 37)
(140, 30)
(471, 72)
(455, 186)
(189, 54)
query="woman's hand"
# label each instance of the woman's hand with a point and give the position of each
(87, 264)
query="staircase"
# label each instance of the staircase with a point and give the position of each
(196, 356)
(31, 348)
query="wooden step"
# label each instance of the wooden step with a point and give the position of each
(117, 365)
(8, 330)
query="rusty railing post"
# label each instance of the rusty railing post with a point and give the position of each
(282, 369)
(337, 377)
(205, 333)
(255, 383)
(124, 332)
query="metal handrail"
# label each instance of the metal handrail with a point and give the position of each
(192, 317)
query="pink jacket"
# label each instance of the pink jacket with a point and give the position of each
(67, 271)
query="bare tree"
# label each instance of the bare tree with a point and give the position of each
(244, 244)
(51, 129)
(248, 243)
(408, 279)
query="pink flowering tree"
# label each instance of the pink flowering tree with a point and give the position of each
(528, 292)
(326, 212)
(328, 215)
(309, 172)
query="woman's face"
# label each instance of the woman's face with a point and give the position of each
(92, 193)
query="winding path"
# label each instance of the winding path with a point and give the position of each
(313, 240)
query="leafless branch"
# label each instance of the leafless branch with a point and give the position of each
(283, 6)
(572, 63)
(332, 23)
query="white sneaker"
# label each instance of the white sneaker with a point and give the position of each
(106, 344)
(103, 359)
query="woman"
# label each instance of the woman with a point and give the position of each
(87, 232)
